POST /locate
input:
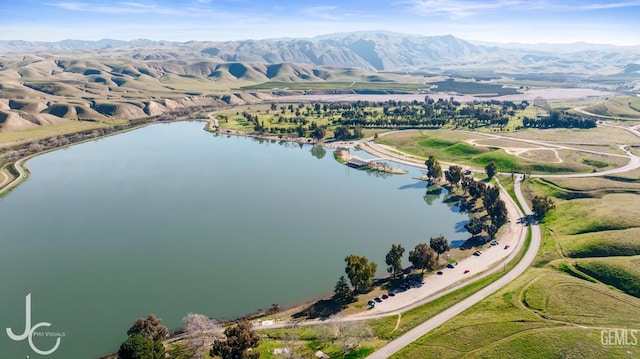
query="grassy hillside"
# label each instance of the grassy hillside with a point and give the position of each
(476, 150)
(624, 107)
(542, 314)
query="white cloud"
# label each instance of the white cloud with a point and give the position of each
(323, 12)
(461, 8)
(464, 8)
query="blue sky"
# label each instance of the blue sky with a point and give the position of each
(533, 21)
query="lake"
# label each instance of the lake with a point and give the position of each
(170, 219)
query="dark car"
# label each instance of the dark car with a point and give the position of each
(439, 272)
(450, 265)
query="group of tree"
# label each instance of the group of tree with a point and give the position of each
(453, 175)
(343, 133)
(557, 119)
(495, 207)
(145, 340)
(302, 119)
(361, 271)
(423, 256)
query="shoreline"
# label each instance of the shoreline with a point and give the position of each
(25, 175)
(513, 235)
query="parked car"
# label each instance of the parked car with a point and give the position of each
(450, 265)
(466, 271)
(378, 299)
(494, 243)
(392, 294)
(371, 303)
(477, 253)
(439, 272)
(384, 296)
(506, 247)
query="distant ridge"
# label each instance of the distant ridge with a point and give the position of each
(369, 51)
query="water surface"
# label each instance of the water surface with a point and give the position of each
(170, 219)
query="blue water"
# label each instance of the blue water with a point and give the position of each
(170, 219)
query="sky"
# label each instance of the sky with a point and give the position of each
(502, 21)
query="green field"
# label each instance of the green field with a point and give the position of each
(542, 314)
(473, 149)
(620, 272)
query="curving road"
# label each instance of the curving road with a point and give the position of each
(458, 308)
(424, 328)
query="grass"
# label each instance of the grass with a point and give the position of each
(448, 146)
(558, 308)
(533, 316)
(603, 243)
(625, 107)
(622, 273)
(601, 135)
(9, 138)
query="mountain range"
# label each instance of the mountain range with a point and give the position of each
(370, 51)
(49, 83)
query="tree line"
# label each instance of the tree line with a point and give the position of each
(557, 119)
(429, 113)
(360, 271)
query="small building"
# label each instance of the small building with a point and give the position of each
(356, 163)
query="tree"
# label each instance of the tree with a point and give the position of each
(359, 271)
(341, 290)
(238, 342)
(434, 170)
(342, 133)
(394, 259)
(139, 347)
(439, 245)
(541, 206)
(318, 133)
(150, 328)
(474, 226)
(423, 257)
(491, 169)
(198, 327)
(491, 229)
(357, 132)
(498, 213)
(197, 324)
(453, 175)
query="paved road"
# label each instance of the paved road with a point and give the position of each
(458, 308)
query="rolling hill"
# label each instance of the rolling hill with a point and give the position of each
(45, 83)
